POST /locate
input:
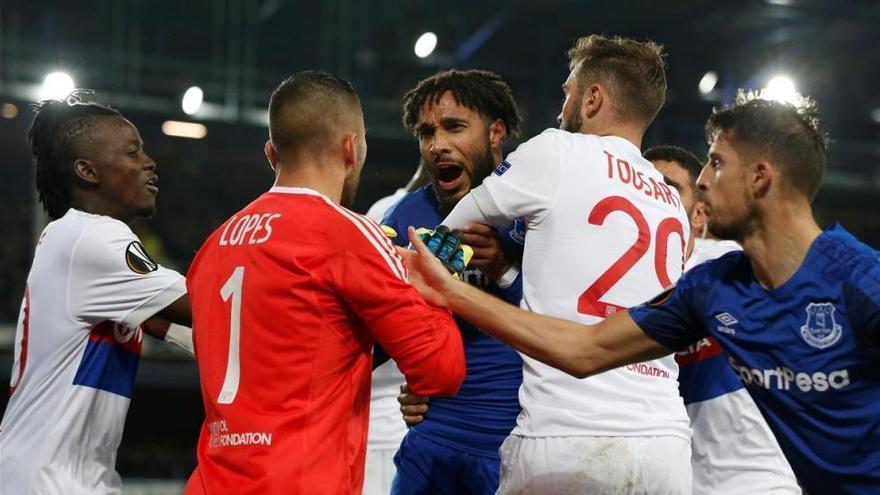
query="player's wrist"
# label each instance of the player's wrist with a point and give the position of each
(507, 277)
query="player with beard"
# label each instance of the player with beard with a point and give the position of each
(461, 120)
(734, 450)
(604, 232)
(288, 296)
(797, 310)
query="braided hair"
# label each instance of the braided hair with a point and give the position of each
(58, 127)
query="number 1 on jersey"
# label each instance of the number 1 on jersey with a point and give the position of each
(232, 288)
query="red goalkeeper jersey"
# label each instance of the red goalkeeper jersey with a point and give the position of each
(288, 297)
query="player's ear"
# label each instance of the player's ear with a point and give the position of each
(761, 178)
(497, 133)
(698, 216)
(594, 98)
(349, 149)
(86, 171)
(271, 154)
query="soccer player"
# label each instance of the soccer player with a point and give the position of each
(797, 311)
(91, 293)
(386, 429)
(461, 120)
(289, 296)
(604, 232)
(733, 449)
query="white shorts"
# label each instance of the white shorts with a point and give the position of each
(595, 465)
(379, 471)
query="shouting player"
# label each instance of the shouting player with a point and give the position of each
(461, 120)
(733, 449)
(797, 311)
(90, 288)
(604, 232)
(289, 296)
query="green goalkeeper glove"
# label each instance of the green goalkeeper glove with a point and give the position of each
(446, 245)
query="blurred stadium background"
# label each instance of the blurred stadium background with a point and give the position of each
(142, 56)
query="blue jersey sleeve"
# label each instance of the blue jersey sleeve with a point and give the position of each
(669, 318)
(863, 300)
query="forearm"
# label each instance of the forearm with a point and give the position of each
(558, 343)
(580, 350)
(476, 207)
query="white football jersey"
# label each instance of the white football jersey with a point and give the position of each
(603, 232)
(77, 347)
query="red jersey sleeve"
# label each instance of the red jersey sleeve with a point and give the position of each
(422, 339)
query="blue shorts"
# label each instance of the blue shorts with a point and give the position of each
(426, 467)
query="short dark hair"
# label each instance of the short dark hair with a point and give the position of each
(633, 71)
(59, 126)
(669, 153)
(305, 111)
(788, 134)
(479, 90)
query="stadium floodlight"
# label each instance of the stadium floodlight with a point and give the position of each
(425, 44)
(8, 110)
(192, 100)
(191, 130)
(708, 82)
(875, 115)
(56, 86)
(782, 89)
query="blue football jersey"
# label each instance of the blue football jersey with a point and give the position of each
(481, 415)
(807, 352)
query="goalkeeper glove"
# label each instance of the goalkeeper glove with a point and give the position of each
(446, 245)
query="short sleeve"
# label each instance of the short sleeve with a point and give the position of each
(113, 278)
(863, 302)
(669, 318)
(525, 184)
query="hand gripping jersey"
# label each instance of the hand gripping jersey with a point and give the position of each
(604, 232)
(289, 296)
(480, 416)
(77, 347)
(733, 449)
(806, 351)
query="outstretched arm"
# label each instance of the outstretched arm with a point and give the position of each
(579, 350)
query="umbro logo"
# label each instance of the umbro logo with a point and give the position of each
(138, 260)
(727, 322)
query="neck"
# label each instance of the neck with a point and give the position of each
(97, 205)
(778, 245)
(321, 177)
(629, 132)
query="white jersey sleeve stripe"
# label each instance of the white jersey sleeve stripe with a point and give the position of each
(373, 228)
(392, 261)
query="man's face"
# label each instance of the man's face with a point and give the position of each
(126, 174)
(454, 142)
(679, 178)
(570, 117)
(730, 208)
(353, 179)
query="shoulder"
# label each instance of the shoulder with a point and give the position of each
(412, 204)
(843, 257)
(733, 265)
(100, 234)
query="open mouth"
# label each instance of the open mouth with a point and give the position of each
(153, 184)
(449, 176)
